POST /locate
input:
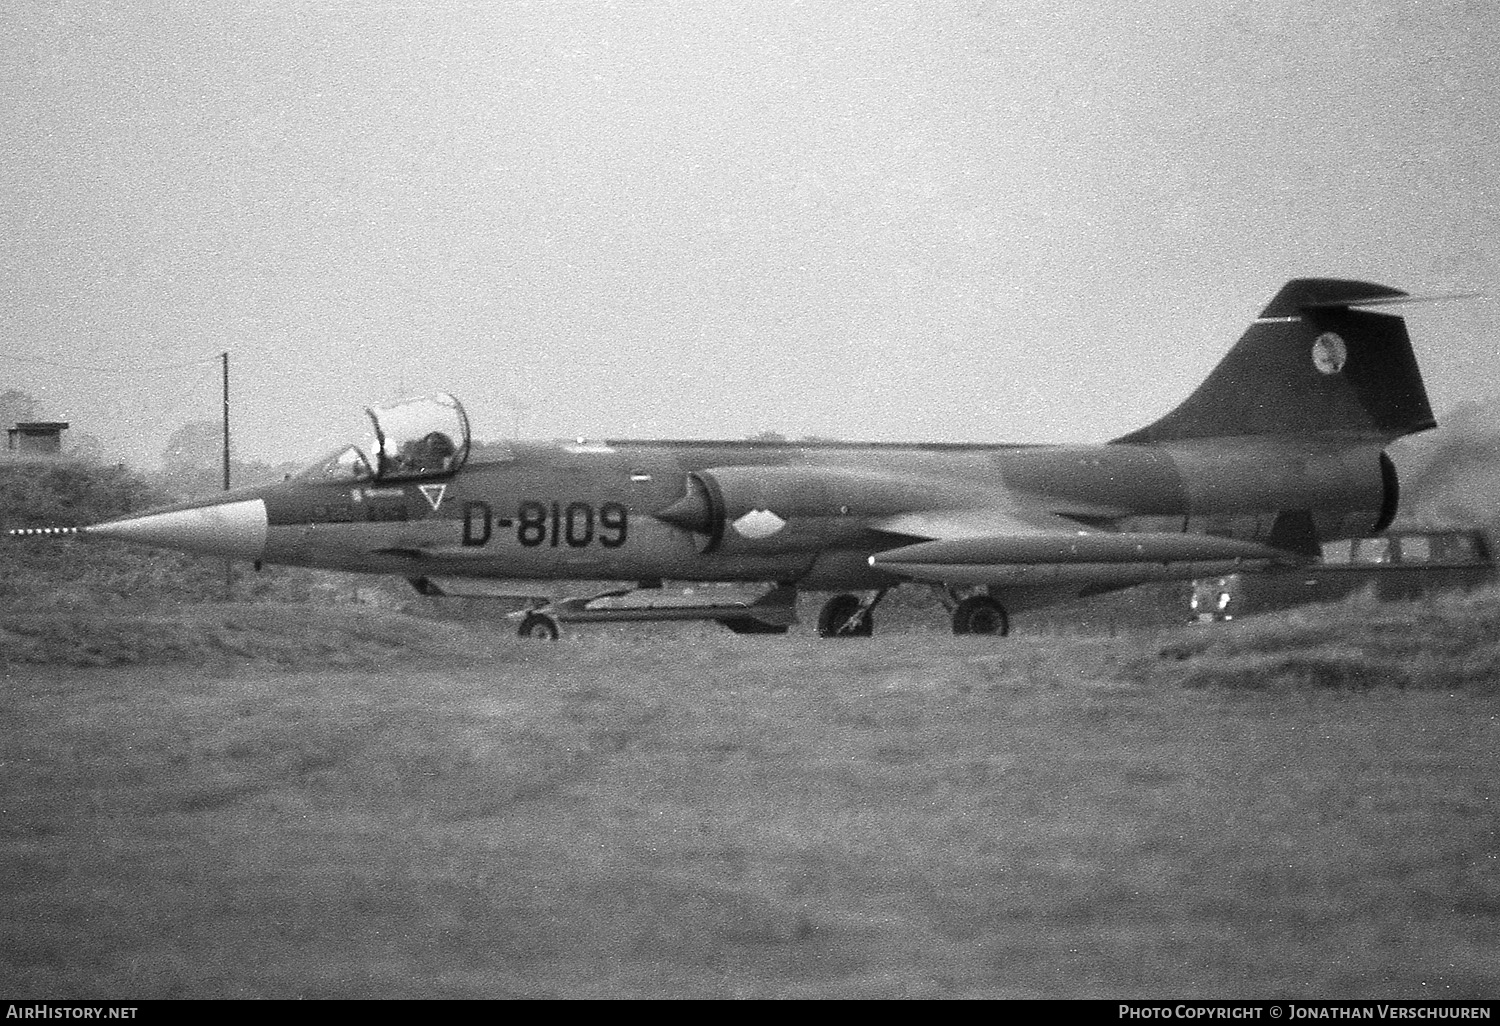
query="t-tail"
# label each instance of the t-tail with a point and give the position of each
(1312, 363)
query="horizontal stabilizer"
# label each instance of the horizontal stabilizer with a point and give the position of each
(1401, 299)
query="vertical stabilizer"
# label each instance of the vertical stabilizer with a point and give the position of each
(1311, 363)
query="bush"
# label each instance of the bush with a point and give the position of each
(68, 494)
(69, 573)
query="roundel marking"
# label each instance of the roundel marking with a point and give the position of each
(1329, 354)
(759, 523)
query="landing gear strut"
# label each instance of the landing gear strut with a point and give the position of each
(538, 625)
(848, 616)
(980, 614)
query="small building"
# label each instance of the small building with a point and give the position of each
(36, 436)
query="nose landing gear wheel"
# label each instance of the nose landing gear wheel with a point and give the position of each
(980, 614)
(538, 625)
(837, 619)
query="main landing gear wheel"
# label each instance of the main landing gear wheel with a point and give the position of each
(538, 625)
(837, 618)
(980, 614)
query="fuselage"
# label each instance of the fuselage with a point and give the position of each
(589, 510)
(1279, 449)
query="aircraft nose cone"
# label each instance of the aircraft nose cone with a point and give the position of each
(231, 529)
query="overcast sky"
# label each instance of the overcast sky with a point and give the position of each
(981, 220)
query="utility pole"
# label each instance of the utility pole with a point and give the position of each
(225, 358)
(228, 565)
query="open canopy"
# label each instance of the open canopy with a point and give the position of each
(406, 440)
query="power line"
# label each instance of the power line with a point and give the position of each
(118, 369)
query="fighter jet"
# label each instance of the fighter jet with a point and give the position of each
(1279, 449)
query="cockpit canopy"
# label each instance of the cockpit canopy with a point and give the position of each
(406, 440)
(423, 437)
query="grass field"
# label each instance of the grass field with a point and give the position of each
(237, 801)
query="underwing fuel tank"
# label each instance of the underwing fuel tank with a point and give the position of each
(1141, 547)
(1094, 557)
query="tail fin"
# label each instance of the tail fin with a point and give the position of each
(1310, 364)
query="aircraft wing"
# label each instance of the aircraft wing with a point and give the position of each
(976, 522)
(418, 552)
